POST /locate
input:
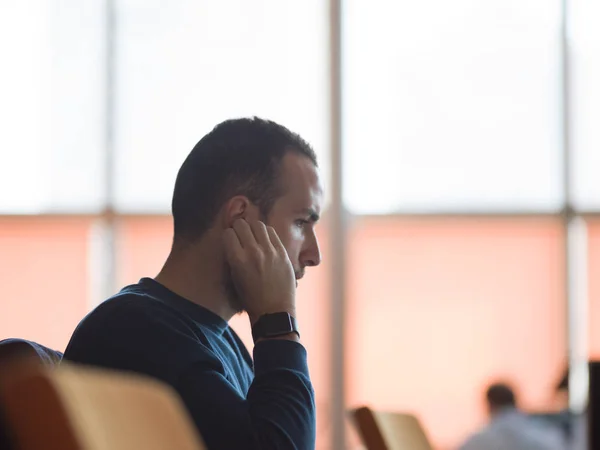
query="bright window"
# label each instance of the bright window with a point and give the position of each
(452, 105)
(52, 107)
(185, 68)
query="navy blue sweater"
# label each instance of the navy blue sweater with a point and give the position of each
(149, 329)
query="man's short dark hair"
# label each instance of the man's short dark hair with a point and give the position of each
(238, 157)
(500, 395)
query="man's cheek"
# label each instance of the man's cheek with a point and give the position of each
(296, 233)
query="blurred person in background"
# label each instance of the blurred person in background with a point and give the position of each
(573, 425)
(509, 428)
(13, 349)
(245, 204)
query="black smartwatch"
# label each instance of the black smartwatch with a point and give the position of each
(273, 325)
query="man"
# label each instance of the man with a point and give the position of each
(509, 429)
(245, 205)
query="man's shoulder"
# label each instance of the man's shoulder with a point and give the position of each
(128, 300)
(136, 331)
(135, 306)
(513, 434)
(132, 317)
(477, 441)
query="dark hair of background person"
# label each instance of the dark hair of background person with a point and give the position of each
(238, 157)
(500, 395)
(563, 382)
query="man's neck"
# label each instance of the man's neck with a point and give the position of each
(196, 274)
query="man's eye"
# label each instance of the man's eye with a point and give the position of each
(301, 222)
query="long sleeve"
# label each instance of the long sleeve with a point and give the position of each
(278, 412)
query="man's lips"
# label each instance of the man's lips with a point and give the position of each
(299, 276)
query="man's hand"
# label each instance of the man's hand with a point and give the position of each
(261, 269)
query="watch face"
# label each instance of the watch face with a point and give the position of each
(279, 323)
(273, 325)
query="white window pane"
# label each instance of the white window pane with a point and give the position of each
(585, 85)
(184, 66)
(51, 86)
(452, 105)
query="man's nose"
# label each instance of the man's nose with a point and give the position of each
(312, 254)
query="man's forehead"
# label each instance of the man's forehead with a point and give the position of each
(300, 175)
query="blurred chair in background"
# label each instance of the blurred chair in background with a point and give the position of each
(510, 429)
(17, 349)
(21, 351)
(389, 431)
(75, 408)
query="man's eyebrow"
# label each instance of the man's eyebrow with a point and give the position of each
(312, 214)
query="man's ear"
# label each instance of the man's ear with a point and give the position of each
(234, 209)
(239, 207)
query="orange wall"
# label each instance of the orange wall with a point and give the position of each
(436, 307)
(43, 278)
(594, 287)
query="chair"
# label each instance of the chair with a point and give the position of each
(389, 431)
(77, 408)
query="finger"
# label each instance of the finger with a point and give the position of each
(275, 241)
(233, 246)
(244, 233)
(260, 233)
